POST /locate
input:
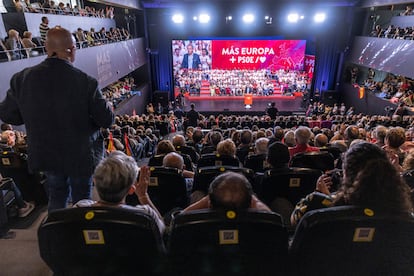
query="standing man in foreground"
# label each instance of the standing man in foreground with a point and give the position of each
(63, 111)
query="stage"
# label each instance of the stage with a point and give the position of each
(235, 104)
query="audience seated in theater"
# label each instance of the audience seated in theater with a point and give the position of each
(179, 144)
(256, 161)
(116, 142)
(394, 139)
(246, 139)
(24, 208)
(278, 156)
(369, 180)
(211, 141)
(29, 44)
(289, 138)
(13, 44)
(114, 178)
(229, 190)
(174, 160)
(302, 138)
(227, 148)
(378, 135)
(321, 140)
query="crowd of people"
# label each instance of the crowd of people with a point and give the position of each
(15, 47)
(119, 91)
(51, 7)
(397, 89)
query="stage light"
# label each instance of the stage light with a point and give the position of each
(293, 17)
(178, 18)
(229, 18)
(319, 17)
(302, 17)
(195, 18)
(204, 18)
(248, 18)
(268, 19)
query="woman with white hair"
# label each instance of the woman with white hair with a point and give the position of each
(116, 177)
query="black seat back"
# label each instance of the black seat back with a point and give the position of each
(100, 241)
(204, 176)
(215, 159)
(167, 189)
(156, 161)
(322, 160)
(291, 184)
(190, 151)
(225, 242)
(14, 165)
(256, 162)
(354, 241)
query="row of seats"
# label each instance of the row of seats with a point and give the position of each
(345, 240)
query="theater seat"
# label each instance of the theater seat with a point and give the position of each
(227, 242)
(322, 160)
(215, 159)
(156, 160)
(292, 184)
(205, 175)
(350, 240)
(256, 162)
(100, 241)
(167, 189)
(32, 185)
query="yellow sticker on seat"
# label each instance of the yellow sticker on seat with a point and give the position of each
(364, 234)
(229, 236)
(153, 181)
(93, 237)
(294, 182)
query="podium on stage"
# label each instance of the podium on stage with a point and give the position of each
(248, 100)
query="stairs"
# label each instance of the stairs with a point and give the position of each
(205, 88)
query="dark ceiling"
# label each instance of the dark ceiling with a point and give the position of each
(178, 3)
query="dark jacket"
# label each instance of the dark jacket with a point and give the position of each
(63, 110)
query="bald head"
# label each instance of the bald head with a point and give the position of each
(173, 160)
(60, 43)
(178, 140)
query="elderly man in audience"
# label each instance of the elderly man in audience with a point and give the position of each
(302, 138)
(114, 178)
(174, 160)
(229, 190)
(180, 145)
(256, 161)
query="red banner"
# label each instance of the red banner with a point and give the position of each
(309, 65)
(258, 54)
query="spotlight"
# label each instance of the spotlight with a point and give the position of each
(319, 17)
(177, 18)
(204, 18)
(229, 18)
(268, 20)
(248, 18)
(293, 17)
(195, 18)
